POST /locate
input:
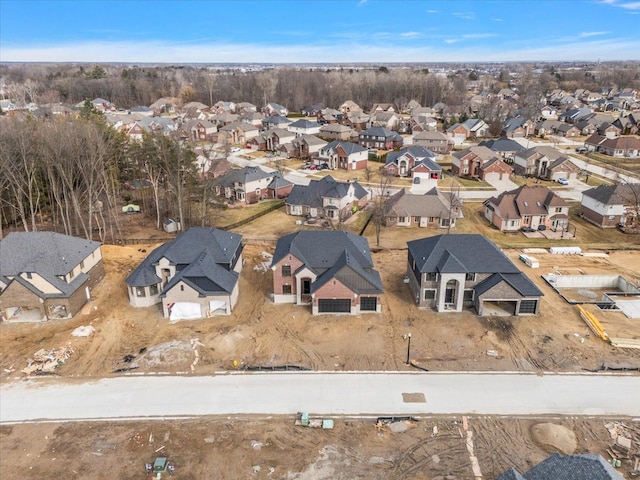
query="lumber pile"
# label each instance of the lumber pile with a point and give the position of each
(46, 361)
(593, 323)
(624, 446)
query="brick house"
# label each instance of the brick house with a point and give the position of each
(251, 184)
(344, 155)
(527, 206)
(330, 270)
(608, 206)
(414, 162)
(326, 198)
(479, 162)
(455, 271)
(46, 275)
(307, 146)
(193, 276)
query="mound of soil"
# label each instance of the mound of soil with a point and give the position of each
(554, 438)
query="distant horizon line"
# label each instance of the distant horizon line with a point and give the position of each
(381, 63)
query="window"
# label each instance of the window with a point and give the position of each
(71, 274)
(431, 277)
(286, 289)
(558, 209)
(154, 289)
(182, 288)
(140, 292)
(416, 219)
(286, 270)
(429, 294)
(81, 263)
(403, 220)
(470, 277)
(468, 295)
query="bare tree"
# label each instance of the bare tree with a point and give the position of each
(380, 198)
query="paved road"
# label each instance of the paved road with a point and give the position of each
(354, 393)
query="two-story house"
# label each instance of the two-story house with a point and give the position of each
(479, 162)
(46, 275)
(307, 146)
(304, 127)
(451, 272)
(193, 276)
(330, 270)
(380, 139)
(435, 141)
(326, 198)
(344, 155)
(415, 162)
(534, 207)
(608, 206)
(545, 162)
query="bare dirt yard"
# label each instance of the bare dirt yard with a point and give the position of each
(259, 333)
(246, 448)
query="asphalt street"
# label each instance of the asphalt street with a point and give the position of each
(350, 394)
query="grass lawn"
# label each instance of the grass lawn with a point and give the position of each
(221, 217)
(450, 181)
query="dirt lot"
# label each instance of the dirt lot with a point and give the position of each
(259, 333)
(238, 448)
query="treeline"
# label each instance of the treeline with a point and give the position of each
(68, 175)
(128, 86)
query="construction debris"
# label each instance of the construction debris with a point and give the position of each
(44, 361)
(305, 421)
(83, 331)
(593, 323)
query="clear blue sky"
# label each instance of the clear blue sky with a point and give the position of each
(272, 31)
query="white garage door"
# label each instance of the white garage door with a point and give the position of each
(492, 177)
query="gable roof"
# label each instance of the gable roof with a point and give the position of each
(474, 252)
(311, 195)
(205, 276)
(303, 123)
(188, 247)
(615, 194)
(330, 254)
(503, 144)
(47, 254)
(526, 200)
(243, 176)
(483, 153)
(469, 253)
(348, 147)
(430, 204)
(419, 153)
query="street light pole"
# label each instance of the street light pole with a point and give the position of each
(408, 347)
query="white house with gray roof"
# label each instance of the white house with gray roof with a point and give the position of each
(194, 276)
(449, 273)
(46, 275)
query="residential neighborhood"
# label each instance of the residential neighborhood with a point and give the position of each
(246, 235)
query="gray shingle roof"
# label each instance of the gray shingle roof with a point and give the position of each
(311, 195)
(615, 194)
(187, 248)
(475, 253)
(332, 254)
(47, 254)
(573, 467)
(503, 144)
(348, 147)
(205, 276)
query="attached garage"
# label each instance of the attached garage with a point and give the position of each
(528, 307)
(498, 308)
(368, 304)
(494, 176)
(336, 305)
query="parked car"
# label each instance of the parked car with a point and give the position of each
(323, 166)
(313, 167)
(306, 165)
(542, 227)
(235, 149)
(527, 229)
(563, 181)
(581, 149)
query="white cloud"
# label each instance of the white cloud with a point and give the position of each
(432, 11)
(410, 34)
(362, 2)
(592, 34)
(464, 15)
(452, 40)
(497, 20)
(629, 6)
